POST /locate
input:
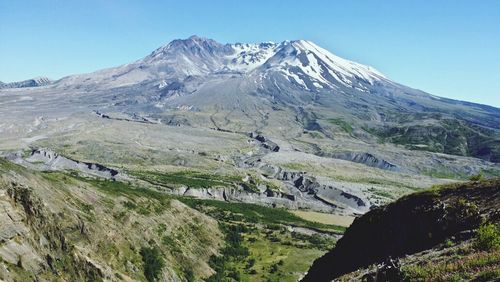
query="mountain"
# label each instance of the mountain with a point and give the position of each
(422, 230)
(292, 99)
(34, 82)
(300, 62)
(310, 83)
(218, 161)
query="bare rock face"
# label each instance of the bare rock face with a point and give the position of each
(327, 193)
(31, 238)
(12, 226)
(366, 159)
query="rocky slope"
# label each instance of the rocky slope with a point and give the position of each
(411, 225)
(54, 226)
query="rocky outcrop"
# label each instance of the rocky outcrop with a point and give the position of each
(329, 194)
(409, 225)
(51, 160)
(134, 117)
(266, 143)
(267, 197)
(366, 159)
(318, 194)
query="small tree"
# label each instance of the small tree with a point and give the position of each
(189, 275)
(153, 262)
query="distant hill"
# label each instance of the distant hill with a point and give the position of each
(34, 82)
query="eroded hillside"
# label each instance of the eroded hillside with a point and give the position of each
(58, 227)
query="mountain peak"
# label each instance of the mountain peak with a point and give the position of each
(312, 67)
(197, 38)
(193, 44)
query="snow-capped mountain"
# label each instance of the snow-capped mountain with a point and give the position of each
(270, 87)
(197, 56)
(197, 73)
(312, 67)
(301, 62)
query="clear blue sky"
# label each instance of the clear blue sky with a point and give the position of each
(447, 48)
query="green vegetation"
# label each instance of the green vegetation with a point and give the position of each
(346, 127)
(488, 237)
(265, 253)
(118, 188)
(380, 193)
(191, 179)
(436, 190)
(477, 177)
(195, 179)
(232, 252)
(443, 173)
(448, 136)
(277, 254)
(403, 117)
(6, 165)
(153, 262)
(476, 260)
(257, 252)
(488, 275)
(253, 213)
(463, 267)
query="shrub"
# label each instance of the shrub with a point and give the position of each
(477, 177)
(250, 263)
(153, 262)
(488, 237)
(448, 243)
(274, 268)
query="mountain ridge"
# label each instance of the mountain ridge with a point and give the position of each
(201, 56)
(33, 82)
(179, 81)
